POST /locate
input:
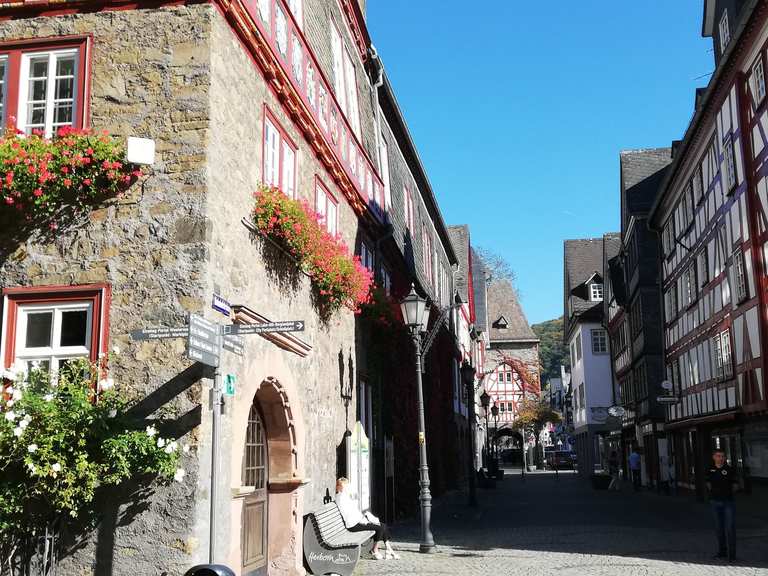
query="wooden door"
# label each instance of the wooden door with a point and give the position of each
(254, 516)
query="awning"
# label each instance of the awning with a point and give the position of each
(728, 416)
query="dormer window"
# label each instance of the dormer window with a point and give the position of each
(501, 323)
(595, 292)
(725, 32)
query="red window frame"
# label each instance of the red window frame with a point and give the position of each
(426, 253)
(408, 207)
(14, 49)
(99, 295)
(268, 115)
(321, 188)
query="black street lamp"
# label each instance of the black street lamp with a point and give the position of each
(485, 400)
(468, 376)
(495, 414)
(416, 317)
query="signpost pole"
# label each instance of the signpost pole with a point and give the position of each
(215, 423)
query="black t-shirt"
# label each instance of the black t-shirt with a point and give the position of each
(721, 481)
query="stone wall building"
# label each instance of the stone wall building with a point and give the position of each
(234, 94)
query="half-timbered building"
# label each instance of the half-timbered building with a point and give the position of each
(633, 310)
(710, 215)
(512, 368)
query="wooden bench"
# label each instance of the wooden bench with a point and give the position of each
(329, 548)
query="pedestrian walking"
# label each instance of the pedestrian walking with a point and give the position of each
(721, 479)
(634, 468)
(613, 470)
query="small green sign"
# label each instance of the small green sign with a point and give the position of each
(229, 381)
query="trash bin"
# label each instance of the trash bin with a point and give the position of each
(210, 570)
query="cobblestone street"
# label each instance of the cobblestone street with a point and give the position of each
(549, 525)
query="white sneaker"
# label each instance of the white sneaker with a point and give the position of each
(392, 555)
(378, 555)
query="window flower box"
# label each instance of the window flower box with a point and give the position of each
(340, 280)
(40, 178)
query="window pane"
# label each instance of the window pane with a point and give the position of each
(74, 327)
(289, 169)
(65, 88)
(65, 66)
(281, 31)
(62, 113)
(39, 325)
(36, 116)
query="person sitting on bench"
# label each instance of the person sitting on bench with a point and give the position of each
(357, 521)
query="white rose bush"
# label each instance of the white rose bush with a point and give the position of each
(63, 436)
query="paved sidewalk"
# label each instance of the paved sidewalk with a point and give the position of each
(560, 526)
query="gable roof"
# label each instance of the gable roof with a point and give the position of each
(582, 259)
(641, 174)
(480, 290)
(460, 239)
(503, 301)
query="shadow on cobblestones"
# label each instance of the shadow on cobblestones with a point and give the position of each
(545, 522)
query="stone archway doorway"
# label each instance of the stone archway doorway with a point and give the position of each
(254, 530)
(267, 498)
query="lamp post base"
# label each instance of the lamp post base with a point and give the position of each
(427, 548)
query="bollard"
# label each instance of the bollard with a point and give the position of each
(210, 570)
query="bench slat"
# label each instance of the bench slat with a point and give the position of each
(331, 530)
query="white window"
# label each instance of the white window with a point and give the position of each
(725, 32)
(384, 169)
(730, 165)
(426, 253)
(47, 90)
(725, 340)
(326, 208)
(739, 275)
(350, 79)
(279, 159)
(703, 267)
(264, 11)
(757, 81)
(599, 342)
(596, 292)
(408, 208)
(345, 80)
(337, 51)
(47, 335)
(281, 31)
(366, 256)
(288, 183)
(295, 6)
(297, 60)
(311, 94)
(271, 154)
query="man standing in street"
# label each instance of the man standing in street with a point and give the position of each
(720, 481)
(634, 468)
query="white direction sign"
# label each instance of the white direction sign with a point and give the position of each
(203, 342)
(284, 326)
(160, 333)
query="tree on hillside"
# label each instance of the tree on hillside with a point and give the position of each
(552, 351)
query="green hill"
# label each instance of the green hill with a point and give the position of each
(552, 351)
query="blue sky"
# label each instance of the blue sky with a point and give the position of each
(519, 111)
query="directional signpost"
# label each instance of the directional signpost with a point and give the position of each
(205, 341)
(285, 326)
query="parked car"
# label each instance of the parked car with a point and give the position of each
(562, 459)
